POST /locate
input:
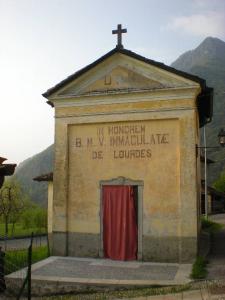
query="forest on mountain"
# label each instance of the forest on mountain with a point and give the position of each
(34, 166)
(208, 61)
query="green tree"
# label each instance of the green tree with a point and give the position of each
(219, 184)
(12, 203)
(27, 218)
(41, 218)
(34, 217)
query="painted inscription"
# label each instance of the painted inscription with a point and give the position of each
(124, 142)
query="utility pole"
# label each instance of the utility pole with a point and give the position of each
(206, 184)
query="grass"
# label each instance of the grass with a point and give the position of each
(138, 292)
(199, 270)
(17, 259)
(20, 231)
(210, 226)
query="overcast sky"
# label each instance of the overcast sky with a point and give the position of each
(44, 41)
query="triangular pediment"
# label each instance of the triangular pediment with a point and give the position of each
(122, 73)
(119, 78)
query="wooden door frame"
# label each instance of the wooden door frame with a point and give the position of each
(124, 181)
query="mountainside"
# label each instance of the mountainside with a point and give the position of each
(210, 51)
(34, 166)
(208, 61)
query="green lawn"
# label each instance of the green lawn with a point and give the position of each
(17, 259)
(20, 231)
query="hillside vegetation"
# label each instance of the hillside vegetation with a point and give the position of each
(208, 61)
(34, 166)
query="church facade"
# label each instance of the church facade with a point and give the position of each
(127, 170)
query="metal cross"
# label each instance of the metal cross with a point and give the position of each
(119, 32)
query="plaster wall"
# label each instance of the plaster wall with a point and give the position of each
(158, 148)
(131, 119)
(50, 206)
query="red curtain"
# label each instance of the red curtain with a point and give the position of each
(119, 223)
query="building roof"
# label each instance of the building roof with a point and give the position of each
(44, 177)
(213, 191)
(2, 159)
(205, 99)
(5, 170)
(208, 160)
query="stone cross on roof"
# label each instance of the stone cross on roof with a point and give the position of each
(119, 32)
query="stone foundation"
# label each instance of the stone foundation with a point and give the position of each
(169, 249)
(83, 245)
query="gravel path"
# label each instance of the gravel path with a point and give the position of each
(216, 266)
(23, 243)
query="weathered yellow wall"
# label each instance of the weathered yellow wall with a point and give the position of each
(50, 206)
(160, 142)
(169, 184)
(146, 151)
(168, 168)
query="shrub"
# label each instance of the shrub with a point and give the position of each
(210, 226)
(199, 268)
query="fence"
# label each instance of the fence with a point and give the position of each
(2, 271)
(18, 262)
(27, 279)
(19, 243)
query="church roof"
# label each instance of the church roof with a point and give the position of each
(205, 99)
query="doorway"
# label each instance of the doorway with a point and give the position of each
(119, 222)
(121, 219)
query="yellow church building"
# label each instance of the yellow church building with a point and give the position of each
(126, 182)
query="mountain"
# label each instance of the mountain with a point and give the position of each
(34, 166)
(208, 61)
(209, 52)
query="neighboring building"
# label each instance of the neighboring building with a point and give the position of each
(203, 200)
(208, 161)
(126, 174)
(216, 200)
(5, 170)
(48, 178)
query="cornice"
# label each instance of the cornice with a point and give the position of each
(126, 97)
(125, 112)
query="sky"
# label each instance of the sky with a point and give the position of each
(44, 41)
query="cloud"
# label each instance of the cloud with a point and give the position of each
(208, 4)
(202, 3)
(208, 24)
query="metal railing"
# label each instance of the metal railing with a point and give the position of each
(27, 279)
